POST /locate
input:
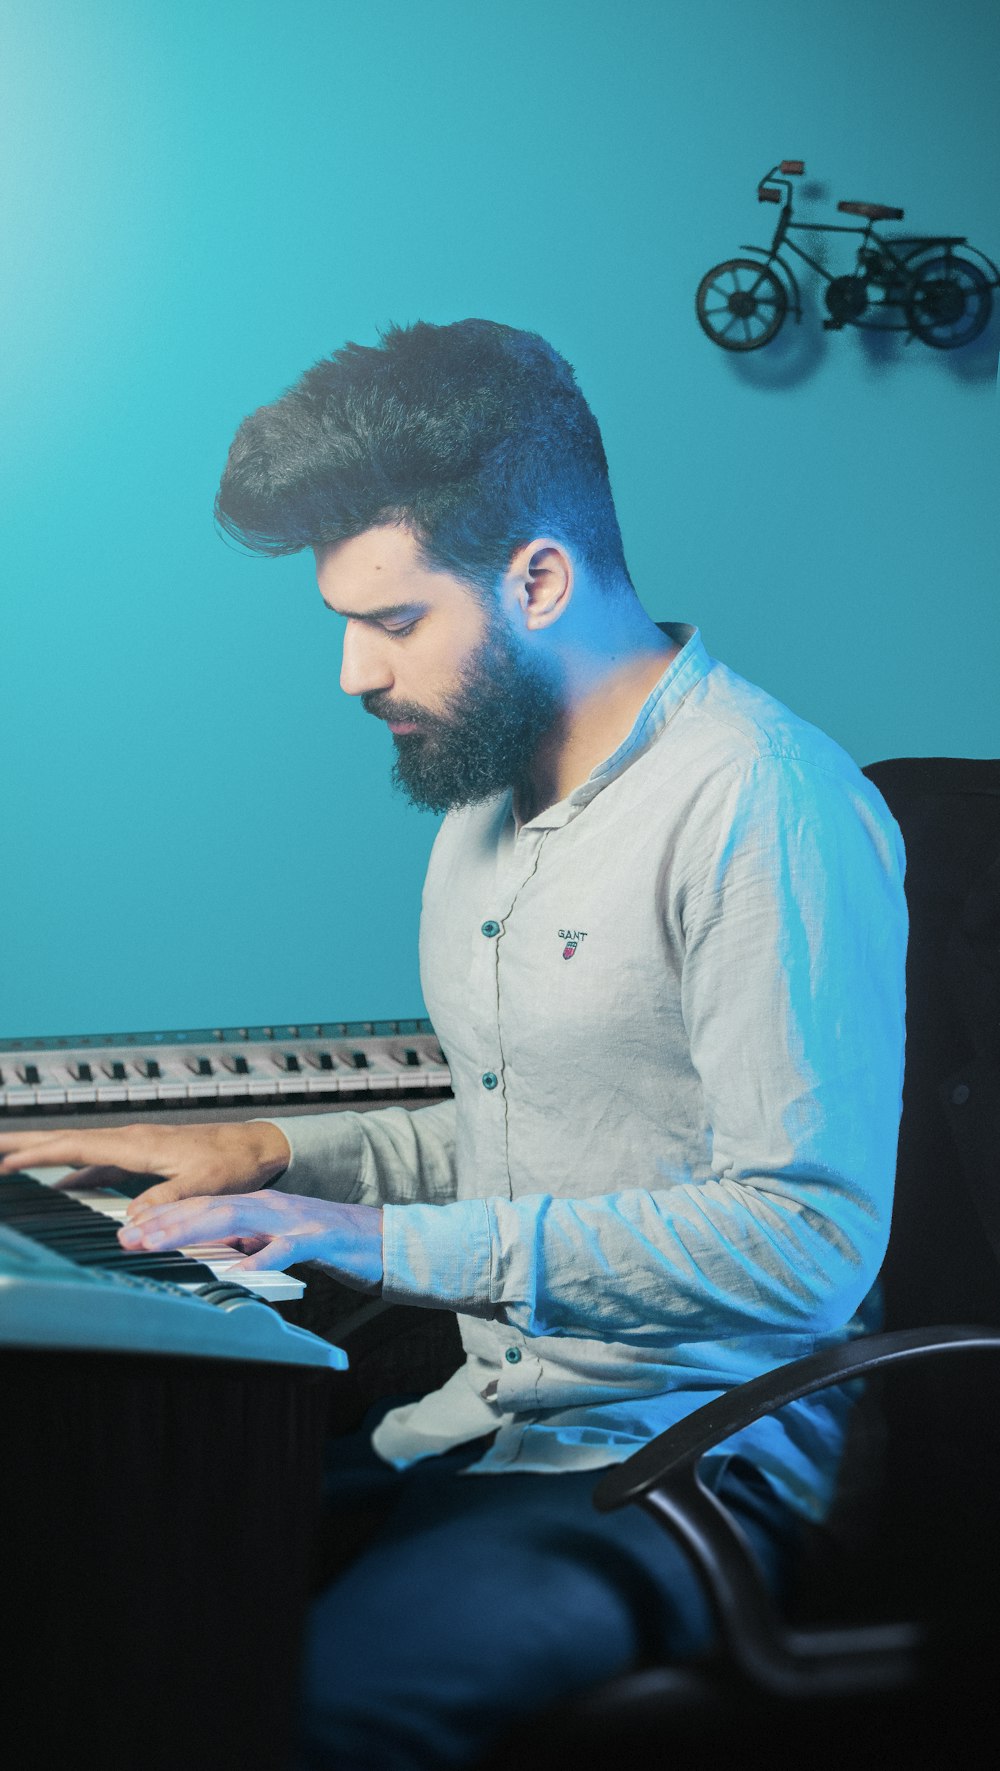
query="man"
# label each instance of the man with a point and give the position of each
(662, 944)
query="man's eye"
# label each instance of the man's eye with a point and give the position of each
(398, 632)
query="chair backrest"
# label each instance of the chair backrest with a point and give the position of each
(940, 1519)
(942, 1265)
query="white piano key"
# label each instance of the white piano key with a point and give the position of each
(269, 1283)
(329, 1083)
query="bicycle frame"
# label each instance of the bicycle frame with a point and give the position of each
(886, 248)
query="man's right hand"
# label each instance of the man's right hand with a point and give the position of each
(183, 1160)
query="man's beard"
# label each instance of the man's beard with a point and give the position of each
(485, 739)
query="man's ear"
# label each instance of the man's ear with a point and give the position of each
(541, 577)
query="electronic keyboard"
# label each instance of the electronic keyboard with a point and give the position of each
(220, 1072)
(66, 1281)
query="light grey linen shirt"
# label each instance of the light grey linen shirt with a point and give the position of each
(673, 1008)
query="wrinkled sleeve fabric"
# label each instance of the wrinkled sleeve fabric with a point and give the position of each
(789, 898)
(389, 1154)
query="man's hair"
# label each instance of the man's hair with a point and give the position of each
(474, 436)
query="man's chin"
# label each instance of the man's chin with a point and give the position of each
(427, 794)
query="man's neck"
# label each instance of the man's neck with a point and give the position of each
(601, 707)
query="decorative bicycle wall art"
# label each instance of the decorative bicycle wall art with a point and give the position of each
(919, 284)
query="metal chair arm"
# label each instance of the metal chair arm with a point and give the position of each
(686, 1442)
(663, 1478)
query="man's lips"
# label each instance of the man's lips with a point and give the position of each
(400, 728)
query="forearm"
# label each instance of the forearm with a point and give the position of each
(644, 1267)
(390, 1154)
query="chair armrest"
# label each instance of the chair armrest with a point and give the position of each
(663, 1478)
(686, 1442)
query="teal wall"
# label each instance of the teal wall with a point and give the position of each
(197, 200)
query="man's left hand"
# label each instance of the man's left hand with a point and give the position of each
(270, 1229)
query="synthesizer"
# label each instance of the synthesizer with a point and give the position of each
(49, 1300)
(84, 1223)
(219, 1072)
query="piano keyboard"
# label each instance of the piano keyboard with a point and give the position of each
(242, 1069)
(81, 1225)
(49, 1302)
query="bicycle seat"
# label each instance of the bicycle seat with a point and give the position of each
(873, 211)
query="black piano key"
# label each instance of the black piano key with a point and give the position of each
(58, 1221)
(359, 1060)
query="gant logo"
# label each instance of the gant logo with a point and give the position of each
(572, 938)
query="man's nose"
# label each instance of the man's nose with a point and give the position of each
(365, 664)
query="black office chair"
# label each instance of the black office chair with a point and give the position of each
(888, 1644)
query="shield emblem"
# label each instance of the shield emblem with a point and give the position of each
(569, 949)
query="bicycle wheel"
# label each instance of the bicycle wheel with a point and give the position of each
(740, 304)
(949, 301)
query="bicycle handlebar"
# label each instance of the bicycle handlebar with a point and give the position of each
(766, 191)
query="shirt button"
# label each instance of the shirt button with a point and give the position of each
(490, 928)
(489, 1080)
(512, 1355)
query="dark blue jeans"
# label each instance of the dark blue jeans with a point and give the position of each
(479, 1600)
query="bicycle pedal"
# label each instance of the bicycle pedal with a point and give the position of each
(833, 325)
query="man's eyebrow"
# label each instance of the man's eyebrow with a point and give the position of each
(388, 612)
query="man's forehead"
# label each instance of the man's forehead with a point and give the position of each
(368, 573)
(377, 574)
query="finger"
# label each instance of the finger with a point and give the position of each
(76, 1149)
(170, 1226)
(17, 1140)
(27, 1150)
(161, 1192)
(205, 1218)
(277, 1253)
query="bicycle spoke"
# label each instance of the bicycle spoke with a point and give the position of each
(741, 304)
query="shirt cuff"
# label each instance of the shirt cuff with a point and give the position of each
(438, 1255)
(327, 1155)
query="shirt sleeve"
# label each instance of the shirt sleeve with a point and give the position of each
(389, 1153)
(794, 935)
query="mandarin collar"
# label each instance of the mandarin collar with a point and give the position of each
(689, 665)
